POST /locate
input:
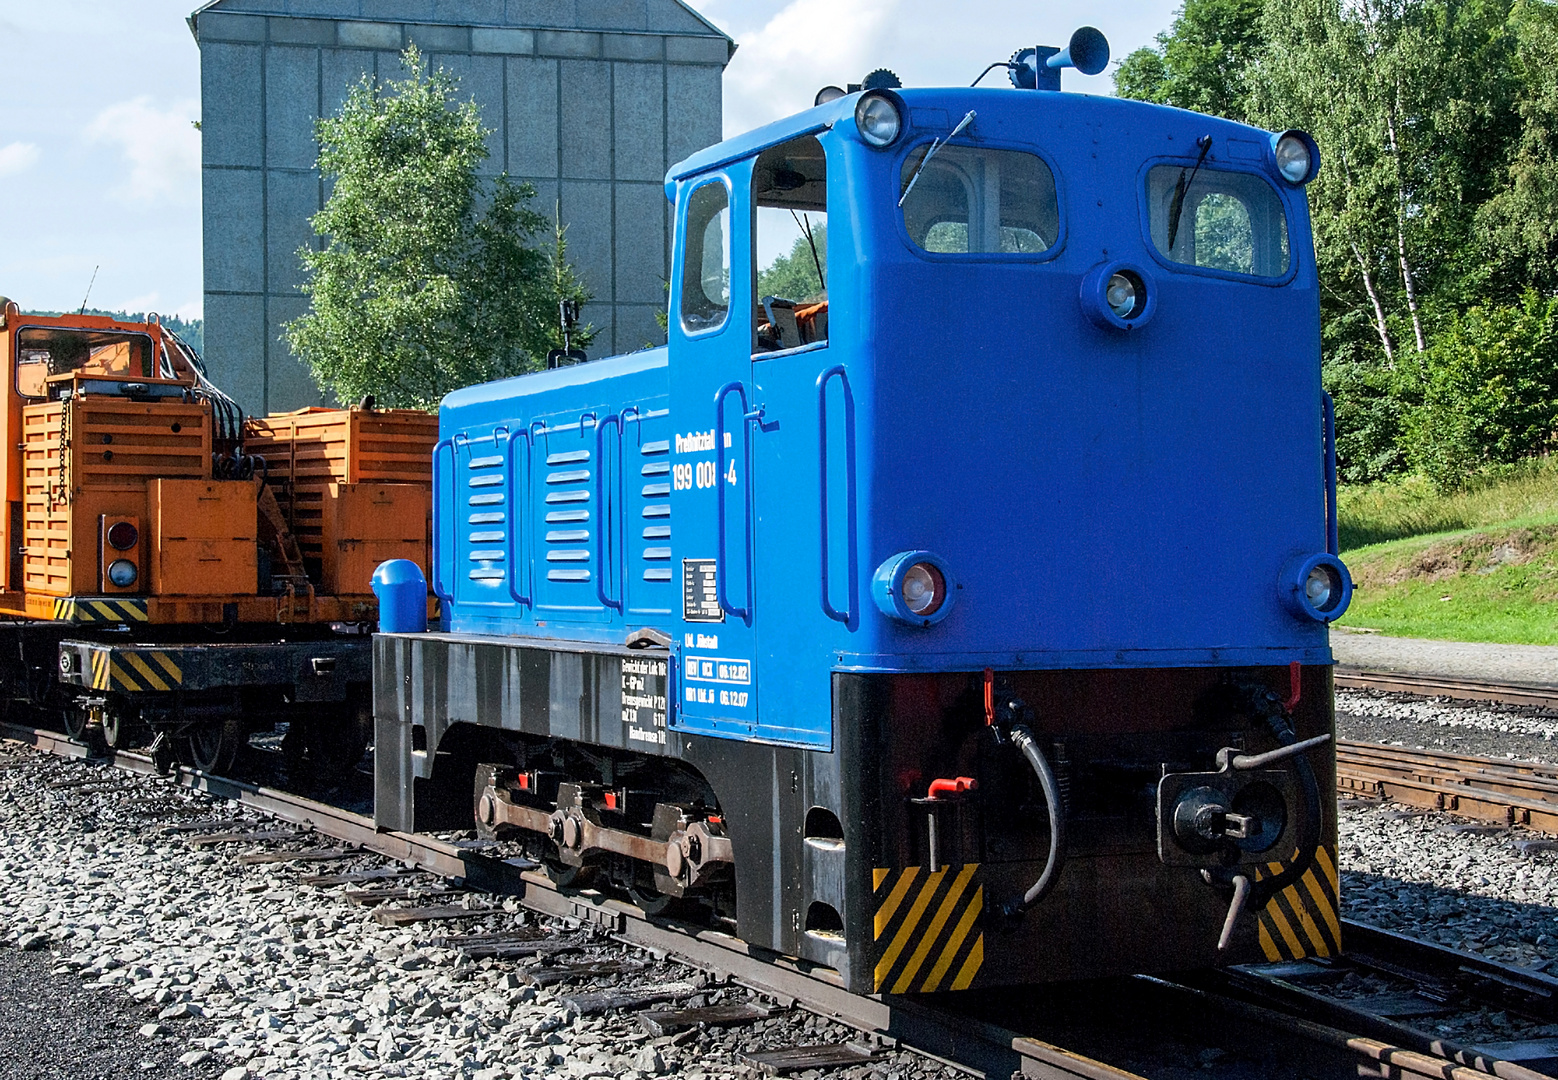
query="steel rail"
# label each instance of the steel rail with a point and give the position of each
(1507, 793)
(1401, 682)
(1384, 1048)
(1532, 993)
(935, 1028)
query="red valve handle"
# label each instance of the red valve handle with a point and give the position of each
(956, 786)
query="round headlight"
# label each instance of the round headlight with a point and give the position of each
(122, 536)
(878, 120)
(1117, 296)
(1317, 587)
(1121, 295)
(924, 589)
(122, 573)
(1322, 588)
(915, 587)
(1295, 155)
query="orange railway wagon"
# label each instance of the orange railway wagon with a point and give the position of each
(338, 474)
(178, 574)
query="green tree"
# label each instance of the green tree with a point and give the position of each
(1489, 391)
(1411, 104)
(428, 280)
(1518, 224)
(1200, 62)
(794, 276)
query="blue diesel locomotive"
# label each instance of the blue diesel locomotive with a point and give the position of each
(961, 624)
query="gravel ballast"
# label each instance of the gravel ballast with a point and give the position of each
(1457, 727)
(127, 950)
(180, 954)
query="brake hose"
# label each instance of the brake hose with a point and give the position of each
(1023, 739)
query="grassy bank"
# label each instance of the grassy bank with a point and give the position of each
(1476, 565)
(1375, 513)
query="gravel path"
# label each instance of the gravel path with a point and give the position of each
(254, 973)
(50, 1026)
(1535, 665)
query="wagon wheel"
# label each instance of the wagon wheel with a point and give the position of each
(118, 729)
(213, 747)
(76, 720)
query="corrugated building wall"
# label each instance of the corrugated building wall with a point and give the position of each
(591, 101)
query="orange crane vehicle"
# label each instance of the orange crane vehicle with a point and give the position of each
(179, 575)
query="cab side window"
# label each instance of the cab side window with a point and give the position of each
(790, 196)
(706, 259)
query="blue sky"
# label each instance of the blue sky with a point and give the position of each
(100, 164)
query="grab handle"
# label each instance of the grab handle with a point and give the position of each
(1332, 518)
(439, 551)
(517, 505)
(605, 531)
(720, 584)
(848, 614)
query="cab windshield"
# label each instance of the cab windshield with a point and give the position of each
(1230, 221)
(969, 200)
(45, 351)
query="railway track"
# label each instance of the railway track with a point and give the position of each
(1488, 789)
(1397, 682)
(1234, 1024)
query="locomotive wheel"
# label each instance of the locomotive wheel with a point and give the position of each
(568, 877)
(651, 902)
(212, 748)
(76, 721)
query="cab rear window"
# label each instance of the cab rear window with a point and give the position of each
(1218, 220)
(45, 351)
(968, 200)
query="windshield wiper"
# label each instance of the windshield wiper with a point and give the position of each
(1177, 207)
(935, 145)
(805, 227)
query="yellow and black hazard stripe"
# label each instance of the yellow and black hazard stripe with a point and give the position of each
(927, 928)
(1302, 920)
(134, 670)
(100, 609)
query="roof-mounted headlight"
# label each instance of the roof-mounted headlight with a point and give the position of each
(878, 118)
(1297, 156)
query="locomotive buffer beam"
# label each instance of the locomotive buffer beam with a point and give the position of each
(692, 856)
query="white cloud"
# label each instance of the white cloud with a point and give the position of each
(792, 48)
(161, 147)
(17, 157)
(805, 46)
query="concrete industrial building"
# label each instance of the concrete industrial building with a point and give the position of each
(591, 101)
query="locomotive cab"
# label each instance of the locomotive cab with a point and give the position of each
(964, 613)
